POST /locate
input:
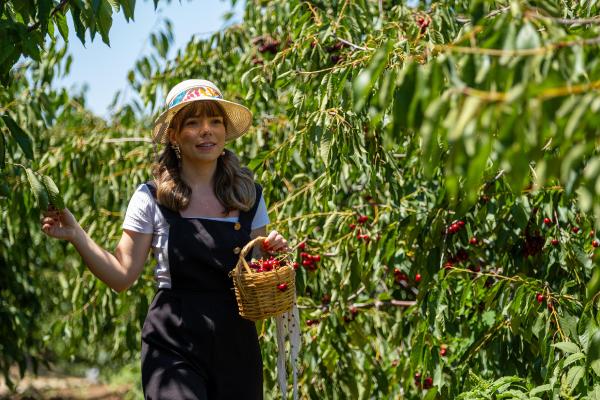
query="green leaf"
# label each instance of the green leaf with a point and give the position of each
(567, 347)
(403, 97)
(574, 375)
(128, 9)
(2, 151)
(39, 192)
(573, 358)
(77, 22)
(593, 352)
(366, 79)
(21, 137)
(540, 389)
(53, 193)
(104, 21)
(60, 20)
(528, 38)
(468, 111)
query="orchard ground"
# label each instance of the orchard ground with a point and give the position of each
(64, 384)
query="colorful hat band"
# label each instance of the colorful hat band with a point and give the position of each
(199, 91)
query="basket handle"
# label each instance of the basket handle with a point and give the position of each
(242, 261)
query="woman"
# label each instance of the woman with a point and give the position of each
(197, 214)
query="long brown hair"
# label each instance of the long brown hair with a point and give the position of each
(233, 183)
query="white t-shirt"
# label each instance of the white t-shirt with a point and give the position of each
(144, 216)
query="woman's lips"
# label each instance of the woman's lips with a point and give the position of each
(205, 146)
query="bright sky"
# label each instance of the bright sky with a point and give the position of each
(104, 69)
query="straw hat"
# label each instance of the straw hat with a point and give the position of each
(192, 90)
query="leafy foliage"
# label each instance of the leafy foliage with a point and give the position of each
(442, 159)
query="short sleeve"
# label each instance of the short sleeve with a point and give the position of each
(140, 211)
(261, 217)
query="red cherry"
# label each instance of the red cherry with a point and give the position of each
(417, 376)
(448, 265)
(305, 255)
(460, 224)
(476, 268)
(266, 245)
(362, 219)
(302, 245)
(473, 241)
(550, 306)
(555, 242)
(418, 278)
(575, 229)
(316, 258)
(428, 383)
(311, 322)
(547, 221)
(443, 351)
(595, 243)
(307, 263)
(540, 298)
(352, 226)
(295, 265)
(282, 286)
(353, 310)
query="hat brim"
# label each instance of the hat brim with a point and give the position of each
(239, 117)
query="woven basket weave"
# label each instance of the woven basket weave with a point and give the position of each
(257, 294)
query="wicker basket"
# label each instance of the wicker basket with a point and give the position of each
(257, 293)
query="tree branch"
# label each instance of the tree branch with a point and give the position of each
(127, 139)
(564, 21)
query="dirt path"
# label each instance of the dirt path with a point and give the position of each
(55, 386)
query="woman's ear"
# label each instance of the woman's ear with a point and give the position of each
(171, 133)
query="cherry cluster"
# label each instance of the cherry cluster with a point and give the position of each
(269, 264)
(427, 382)
(334, 52)
(353, 312)
(423, 22)
(309, 261)
(400, 276)
(540, 299)
(266, 44)
(361, 220)
(264, 265)
(455, 227)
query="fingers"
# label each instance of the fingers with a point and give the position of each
(275, 242)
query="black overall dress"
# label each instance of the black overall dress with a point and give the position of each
(194, 343)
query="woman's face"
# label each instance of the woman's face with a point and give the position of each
(202, 138)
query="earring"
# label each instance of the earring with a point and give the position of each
(177, 150)
(223, 153)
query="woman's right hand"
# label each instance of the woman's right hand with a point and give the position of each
(59, 224)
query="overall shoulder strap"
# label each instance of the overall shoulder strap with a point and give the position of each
(246, 217)
(167, 212)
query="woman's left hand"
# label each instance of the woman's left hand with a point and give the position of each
(275, 243)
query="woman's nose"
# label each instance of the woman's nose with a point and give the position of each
(204, 127)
